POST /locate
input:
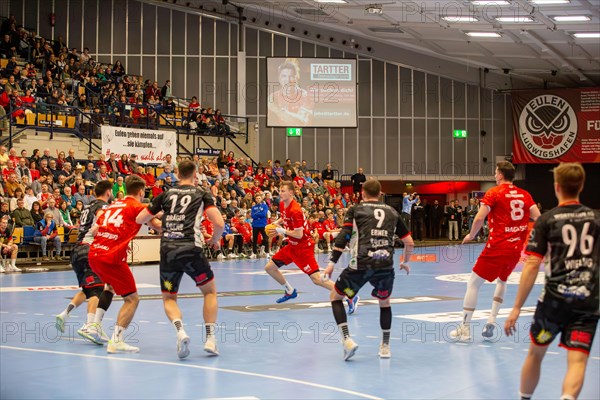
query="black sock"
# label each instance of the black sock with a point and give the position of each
(339, 312)
(70, 308)
(385, 318)
(105, 299)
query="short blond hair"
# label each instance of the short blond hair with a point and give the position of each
(570, 178)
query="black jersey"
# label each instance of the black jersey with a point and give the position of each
(570, 236)
(373, 227)
(182, 208)
(88, 217)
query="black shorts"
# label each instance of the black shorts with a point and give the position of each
(351, 280)
(577, 329)
(80, 264)
(177, 258)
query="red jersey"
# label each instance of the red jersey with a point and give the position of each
(300, 181)
(243, 228)
(329, 225)
(509, 216)
(293, 218)
(208, 226)
(318, 227)
(117, 227)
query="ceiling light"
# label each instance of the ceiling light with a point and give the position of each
(587, 35)
(571, 18)
(490, 3)
(458, 18)
(331, 1)
(549, 1)
(514, 19)
(484, 34)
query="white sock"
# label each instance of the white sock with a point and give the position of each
(210, 329)
(288, 288)
(99, 315)
(13, 262)
(470, 301)
(118, 334)
(178, 324)
(524, 395)
(498, 298)
(566, 397)
(90, 317)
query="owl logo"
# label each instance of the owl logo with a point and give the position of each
(168, 285)
(548, 126)
(543, 337)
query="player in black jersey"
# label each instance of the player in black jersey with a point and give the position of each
(369, 227)
(91, 285)
(568, 305)
(181, 250)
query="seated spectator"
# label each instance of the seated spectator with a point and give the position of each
(4, 209)
(29, 197)
(167, 173)
(81, 196)
(53, 208)
(119, 186)
(76, 212)
(7, 246)
(68, 198)
(11, 185)
(89, 176)
(65, 214)
(47, 230)
(220, 123)
(36, 212)
(22, 216)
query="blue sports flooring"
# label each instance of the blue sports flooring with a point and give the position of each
(271, 351)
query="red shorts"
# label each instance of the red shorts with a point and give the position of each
(301, 255)
(496, 263)
(114, 272)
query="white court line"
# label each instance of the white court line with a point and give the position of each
(161, 323)
(144, 322)
(3, 312)
(506, 348)
(21, 313)
(595, 358)
(552, 352)
(37, 314)
(233, 398)
(482, 345)
(229, 371)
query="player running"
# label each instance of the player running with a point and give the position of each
(91, 285)
(369, 227)
(568, 305)
(181, 251)
(113, 231)
(509, 210)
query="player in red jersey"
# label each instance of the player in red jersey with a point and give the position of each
(508, 209)
(300, 248)
(114, 230)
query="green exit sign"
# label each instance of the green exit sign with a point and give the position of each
(294, 131)
(459, 134)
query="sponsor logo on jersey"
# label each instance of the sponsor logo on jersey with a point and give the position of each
(543, 337)
(548, 126)
(349, 292)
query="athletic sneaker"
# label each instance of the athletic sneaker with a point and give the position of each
(350, 347)
(2, 270)
(488, 331)
(92, 333)
(462, 333)
(10, 268)
(261, 251)
(83, 329)
(103, 336)
(183, 346)
(352, 304)
(120, 348)
(231, 256)
(253, 256)
(59, 323)
(211, 346)
(384, 350)
(220, 257)
(287, 296)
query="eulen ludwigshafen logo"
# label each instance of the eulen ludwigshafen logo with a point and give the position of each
(548, 126)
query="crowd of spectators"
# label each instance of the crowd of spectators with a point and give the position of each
(63, 77)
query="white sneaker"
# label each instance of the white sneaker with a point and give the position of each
(462, 333)
(92, 333)
(103, 336)
(59, 322)
(220, 257)
(12, 268)
(384, 350)
(120, 347)
(183, 345)
(252, 256)
(231, 256)
(350, 347)
(261, 251)
(211, 346)
(2, 270)
(83, 330)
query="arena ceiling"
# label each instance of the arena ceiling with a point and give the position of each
(532, 41)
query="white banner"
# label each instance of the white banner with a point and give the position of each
(151, 146)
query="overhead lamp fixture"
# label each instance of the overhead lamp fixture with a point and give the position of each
(458, 18)
(571, 18)
(587, 35)
(484, 34)
(549, 1)
(490, 3)
(515, 20)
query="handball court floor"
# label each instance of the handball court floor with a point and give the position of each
(271, 351)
